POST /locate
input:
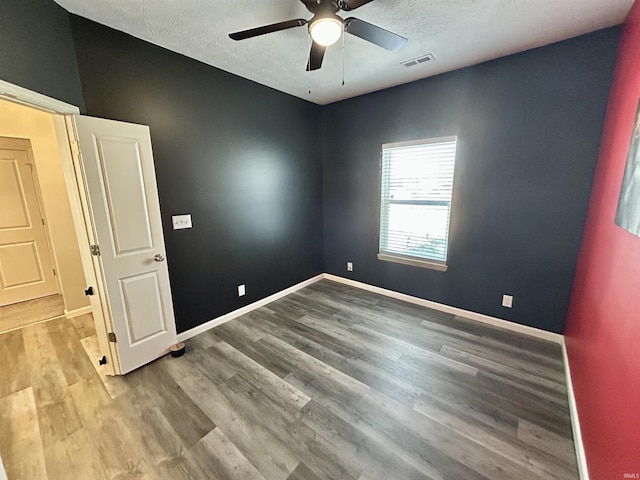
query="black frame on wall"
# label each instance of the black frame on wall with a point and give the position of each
(628, 212)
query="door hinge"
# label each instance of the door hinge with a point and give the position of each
(112, 337)
(103, 360)
(54, 271)
(95, 249)
(89, 291)
(75, 148)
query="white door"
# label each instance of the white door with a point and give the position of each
(26, 268)
(121, 184)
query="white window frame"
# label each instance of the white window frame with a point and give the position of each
(417, 261)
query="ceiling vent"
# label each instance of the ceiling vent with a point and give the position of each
(417, 61)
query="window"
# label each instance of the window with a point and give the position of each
(415, 206)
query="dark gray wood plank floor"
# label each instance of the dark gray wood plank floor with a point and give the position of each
(330, 382)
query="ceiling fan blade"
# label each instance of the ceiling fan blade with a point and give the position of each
(316, 55)
(348, 5)
(274, 27)
(374, 34)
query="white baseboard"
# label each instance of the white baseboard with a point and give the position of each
(77, 312)
(575, 421)
(479, 317)
(246, 309)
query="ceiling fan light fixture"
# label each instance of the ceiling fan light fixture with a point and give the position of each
(326, 31)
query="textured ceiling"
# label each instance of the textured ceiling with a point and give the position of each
(457, 32)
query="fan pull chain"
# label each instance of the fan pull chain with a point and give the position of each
(343, 58)
(309, 60)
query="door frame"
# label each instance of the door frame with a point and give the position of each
(80, 209)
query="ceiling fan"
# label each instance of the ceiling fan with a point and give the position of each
(326, 27)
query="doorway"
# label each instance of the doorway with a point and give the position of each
(29, 290)
(41, 275)
(59, 169)
(138, 333)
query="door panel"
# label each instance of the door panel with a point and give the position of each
(117, 162)
(125, 194)
(14, 212)
(143, 301)
(21, 265)
(26, 268)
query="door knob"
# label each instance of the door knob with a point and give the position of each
(158, 257)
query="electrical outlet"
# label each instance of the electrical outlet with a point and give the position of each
(507, 301)
(241, 290)
(349, 267)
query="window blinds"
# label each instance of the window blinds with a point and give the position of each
(416, 188)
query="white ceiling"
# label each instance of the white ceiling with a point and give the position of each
(457, 32)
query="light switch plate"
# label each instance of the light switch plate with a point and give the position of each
(181, 221)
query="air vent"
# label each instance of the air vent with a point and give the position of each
(417, 61)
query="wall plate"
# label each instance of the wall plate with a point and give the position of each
(181, 221)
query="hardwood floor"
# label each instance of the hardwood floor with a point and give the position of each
(18, 315)
(330, 382)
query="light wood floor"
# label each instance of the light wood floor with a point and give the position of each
(21, 314)
(328, 383)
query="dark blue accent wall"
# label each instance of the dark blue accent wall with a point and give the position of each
(242, 159)
(529, 128)
(36, 49)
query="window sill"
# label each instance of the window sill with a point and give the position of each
(415, 262)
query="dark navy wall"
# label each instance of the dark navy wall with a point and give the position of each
(256, 168)
(243, 159)
(529, 129)
(36, 49)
